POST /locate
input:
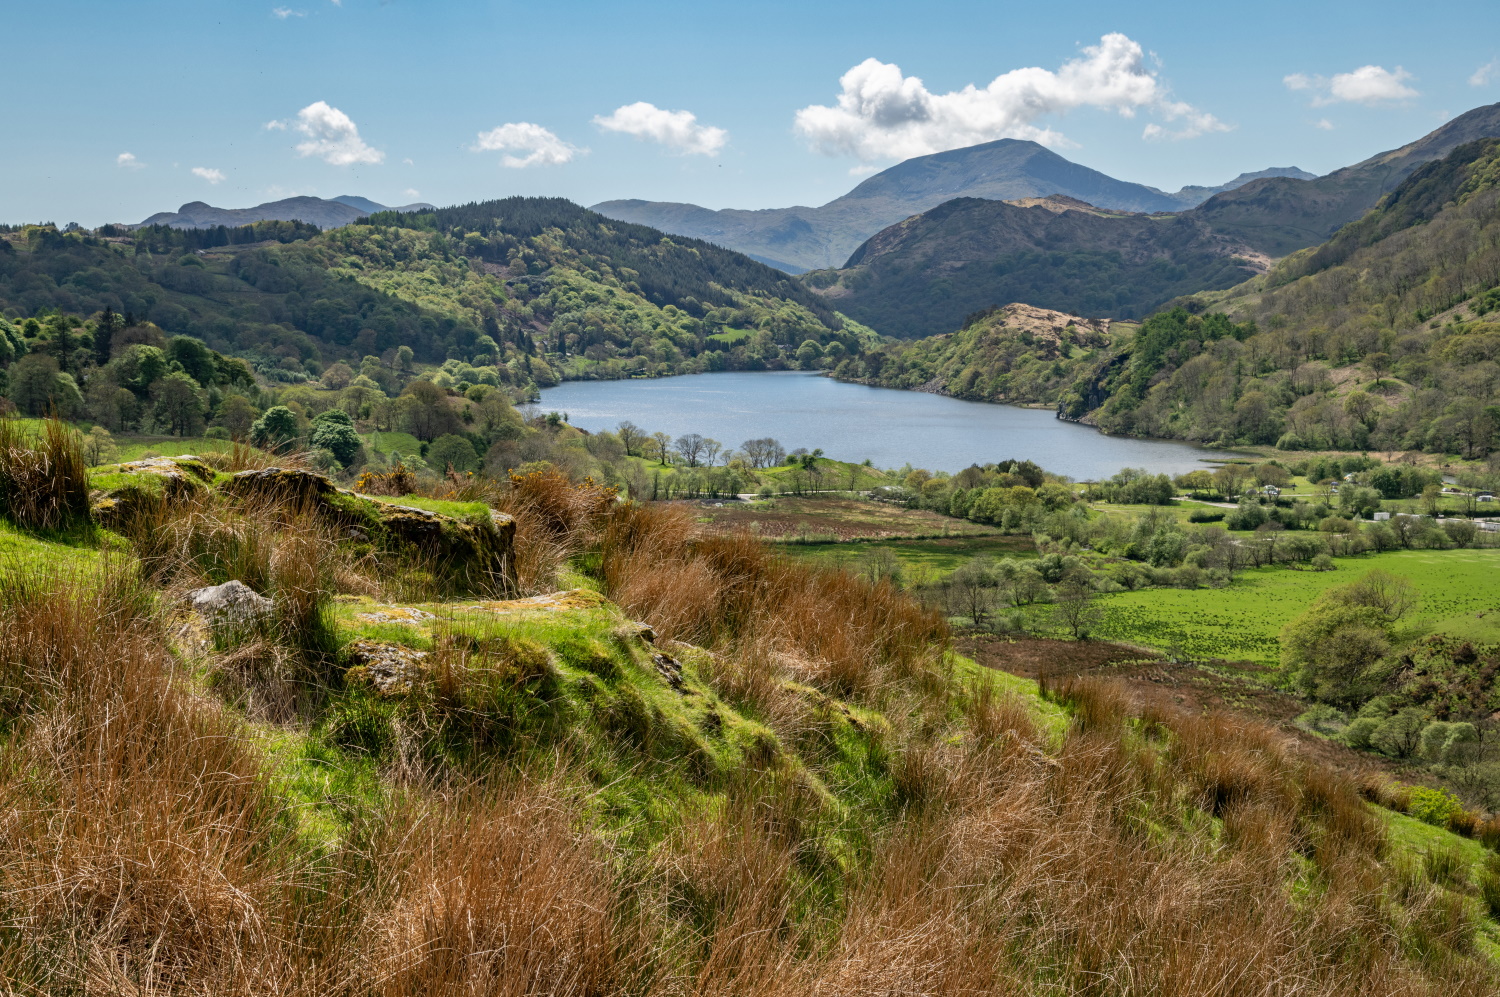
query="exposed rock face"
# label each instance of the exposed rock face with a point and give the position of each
(232, 604)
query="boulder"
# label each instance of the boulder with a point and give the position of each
(389, 669)
(277, 484)
(232, 604)
(143, 487)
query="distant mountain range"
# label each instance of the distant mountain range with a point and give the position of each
(324, 213)
(921, 276)
(802, 238)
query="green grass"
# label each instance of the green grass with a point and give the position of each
(835, 476)
(935, 558)
(403, 443)
(731, 336)
(130, 448)
(458, 510)
(24, 549)
(1242, 620)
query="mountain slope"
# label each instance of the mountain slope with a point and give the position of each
(531, 290)
(920, 277)
(1380, 338)
(1384, 338)
(317, 211)
(816, 238)
(1280, 215)
(1018, 354)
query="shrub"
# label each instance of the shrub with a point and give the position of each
(1205, 515)
(1359, 733)
(1433, 806)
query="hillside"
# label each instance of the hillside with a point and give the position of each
(518, 737)
(804, 238)
(919, 278)
(1019, 354)
(1379, 338)
(529, 289)
(1277, 216)
(1382, 338)
(324, 213)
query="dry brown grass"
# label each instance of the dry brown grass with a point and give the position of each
(843, 633)
(147, 848)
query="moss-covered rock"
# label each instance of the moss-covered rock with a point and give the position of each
(120, 492)
(462, 554)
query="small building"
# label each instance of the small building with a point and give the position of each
(1381, 517)
(1486, 497)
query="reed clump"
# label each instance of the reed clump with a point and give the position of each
(43, 478)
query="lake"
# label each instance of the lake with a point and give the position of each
(853, 422)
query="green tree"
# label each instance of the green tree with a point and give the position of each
(275, 429)
(179, 404)
(452, 451)
(237, 415)
(38, 386)
(338, 438)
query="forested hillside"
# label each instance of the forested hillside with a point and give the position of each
(1378, 338)
(530, 289)
(919, 278)
(1018, 354)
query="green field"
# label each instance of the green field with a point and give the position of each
(1242, 620)
(731, 336)
(403, 443)
(936, 557)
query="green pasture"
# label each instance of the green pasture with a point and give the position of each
(1242, 620)
(933, 558)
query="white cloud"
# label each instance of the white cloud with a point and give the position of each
(864, 169)
(283, 13)
(1484, 73)
(541, 147)
(412, 192)
(1368, 85)
(677, 130)
(1194, 122)
(882, 114)
(1324, 124)
(331, 136)
(211, 175)
(129, 162)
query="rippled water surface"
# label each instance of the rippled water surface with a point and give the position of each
(855, 422)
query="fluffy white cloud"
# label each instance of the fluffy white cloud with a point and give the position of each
(677, 130)
(1369, 85)
(412, 193)
(1193, 122)
(1484, 73)
(331, 136)
(540, 146)
(283, 13)
(1324, 124)
(211, 175)
(129, 162)
(882, 114)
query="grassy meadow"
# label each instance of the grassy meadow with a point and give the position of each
(1242, 620)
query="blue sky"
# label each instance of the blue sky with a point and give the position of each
(235, 102)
